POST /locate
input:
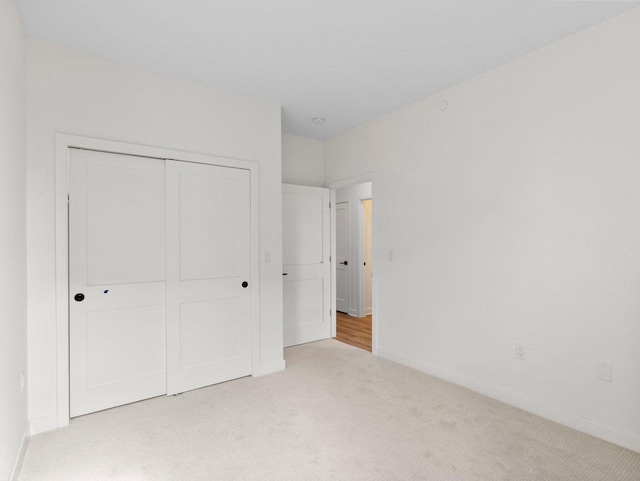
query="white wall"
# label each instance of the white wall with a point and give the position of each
(353, 195)
(514, 216)
(302, 160)
(75, 93)
(13, 318)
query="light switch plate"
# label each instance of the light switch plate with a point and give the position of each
(603, 371)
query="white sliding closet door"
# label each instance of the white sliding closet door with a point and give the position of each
(116, 279)
(159, 272)
(208, 275)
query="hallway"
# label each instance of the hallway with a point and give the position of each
(355, 331)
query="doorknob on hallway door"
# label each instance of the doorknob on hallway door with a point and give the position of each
(345, 263)
(245, 284)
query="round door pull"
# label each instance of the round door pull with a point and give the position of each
(245, 284)
(79, 297)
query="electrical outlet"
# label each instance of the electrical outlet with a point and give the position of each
(21, 382)
(267, 257)
(390, 254)
(521, 351)
(603, 371)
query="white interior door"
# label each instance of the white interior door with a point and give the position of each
(306, 266)
(368, 233)
(116, 279)
(208, 275)
(343, 252)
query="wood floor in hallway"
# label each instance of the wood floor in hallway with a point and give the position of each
(355, 331)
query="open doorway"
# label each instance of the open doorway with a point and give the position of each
(354, 265)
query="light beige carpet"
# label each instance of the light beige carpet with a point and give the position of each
(336, 413)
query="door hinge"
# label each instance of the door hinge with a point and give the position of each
(329, 205)
(68, 198)
(329, 259)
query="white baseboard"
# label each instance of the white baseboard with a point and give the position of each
(368, 311)
(594, 428)
(20, 455)
(44, 424)
(271, 367)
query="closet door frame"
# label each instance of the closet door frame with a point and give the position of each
(64, 142)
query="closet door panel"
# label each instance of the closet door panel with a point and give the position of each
(208, 274)
(116, 279)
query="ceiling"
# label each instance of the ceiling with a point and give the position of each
(345, 60)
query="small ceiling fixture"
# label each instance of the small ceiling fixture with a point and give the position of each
(318, 120)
